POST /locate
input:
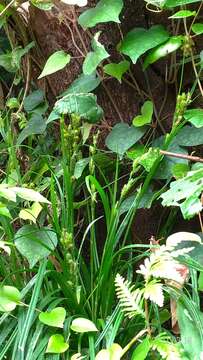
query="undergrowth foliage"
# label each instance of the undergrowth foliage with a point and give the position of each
(74, 283)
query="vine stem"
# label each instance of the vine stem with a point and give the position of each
(182, 156)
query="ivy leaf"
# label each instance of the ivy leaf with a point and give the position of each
(117, 70)
(83, 84)
(146, 115)
(95, 57)
(31, 213)
(140, 40)
(182, 14)
(80, 166)
(57, 344)
(33, 100)
(55, 62)
(185, 193)
(35, 244)
(83, 105)
(163, 50)
(122, 137)
(54, 317)
(195, 117)
(197, 28)
(35, 126)
(82, 325)
(9, 298)
(104, 11)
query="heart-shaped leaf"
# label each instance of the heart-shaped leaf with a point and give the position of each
(163, 50)
(95, 57)
(83, 84)
(117, 70)
(146, 115)
(182, 14)
(35, 126)
(104, 11)
(31, 213)
(35, 244)
(55, 62)
(140, 40)
(54, 317)
(9, 298)
(57, 344)
(197, 28)
(123, 136)
(82, 325)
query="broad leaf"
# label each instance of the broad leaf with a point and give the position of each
(145, 202)
(146, 115)
(117, 70)
(104, 11)
(197, 28)
(142, 350)
(43, 5)
(182, 14)
(195, 117)
(103, 355)
(57, 344)
(173, 3)
(55, 62)
(186, 193)
(83, 84)
(35, 244)
(163, 50)
(95, 57)
(80, 166)
(31, 213)
(54, 317)
(9, 298)
(35, 126)
(4, 211)
(11, 61)
(33, 100)
(82, 325)
(122, 137)
(83, 105)
(140, 40)
(30, 195)
(148, 159)
(190, 136)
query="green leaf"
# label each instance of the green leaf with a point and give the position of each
(35, 126)
(197, 28)
(190, 329)
(146, 115)
(83, 105)
(30, 195)
(145, 203)
(33, 100)
(163, 50)
(31, 213)
(123, 136)
(11, 61)
(140, 40)
(115, 352)
(80, 166)
(200, 281)
(12, 103)
(35, 244)
(142, 350)
(180, 170)
(55, 62)
(182, 14)
(195, 117)
(4, 211)
(186, 193)
(148, 159)
(190, 136)
(95, 57)
(43, 5)
(9, 298)
(103, 354)
(57, 344)
(173, 3)
(54, 317)
(82, 325)
(104, 11)
(117, 70)
(83, 84)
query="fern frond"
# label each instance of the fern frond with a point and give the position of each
(130, 300)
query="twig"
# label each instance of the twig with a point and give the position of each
(182, 156)
(139, 335)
